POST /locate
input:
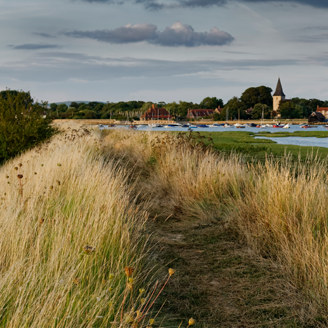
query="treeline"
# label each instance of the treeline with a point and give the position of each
(130, 110)
(299, 107)
(250, 105)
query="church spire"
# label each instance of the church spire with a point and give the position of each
(279, 91)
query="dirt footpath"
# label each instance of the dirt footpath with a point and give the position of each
(221, 283)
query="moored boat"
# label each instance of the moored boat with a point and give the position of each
(306, 126)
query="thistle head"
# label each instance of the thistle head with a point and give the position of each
(128, 271)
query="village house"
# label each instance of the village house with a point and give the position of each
(155, 113)
(316, 117)
(201, 113)
(323, 111)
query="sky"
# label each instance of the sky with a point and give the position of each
(162, 50)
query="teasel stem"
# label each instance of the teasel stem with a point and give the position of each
(149, 299)
(167, 280)
(123, 303)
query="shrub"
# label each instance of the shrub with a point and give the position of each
(22, 124)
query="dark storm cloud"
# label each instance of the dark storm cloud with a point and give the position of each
(174, 36)
(155, 5)
(31, 46)
(202, 3)
(313, 3)
(126, 34)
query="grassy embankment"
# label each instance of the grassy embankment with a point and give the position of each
(69, 225)
(98, 191)
(279, 210)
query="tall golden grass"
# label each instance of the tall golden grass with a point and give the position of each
(68, 228)
(280, 208)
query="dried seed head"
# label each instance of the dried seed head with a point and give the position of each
(35, 173)
(58, 164)
(20, 176)
(41, 221)
(76, 281)
(89, 249)
(7, 176)
(42, 164)
(128, 271)
(16, 168)
(58, 182)
(171, 272)
(51, 187)
(129, 285)
(20, 164)
(191, 322)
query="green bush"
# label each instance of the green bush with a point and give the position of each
(22, 123)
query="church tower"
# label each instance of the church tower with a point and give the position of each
(278, 96)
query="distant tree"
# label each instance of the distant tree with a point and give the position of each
(257, 111)
(98, 108)
(258, 95)
(289, 110)
(90, 114)
(62, 108)
(234, 106)
(82, 107)
(146, 106)
(172, 108)
(211, 103)
(53, 106)
(74, 104)
(216, 117)
(184, 106)
(71, 111)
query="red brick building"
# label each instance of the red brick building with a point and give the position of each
(323, 111)
(155, 113)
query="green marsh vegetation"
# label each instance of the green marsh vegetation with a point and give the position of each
(259, 149)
